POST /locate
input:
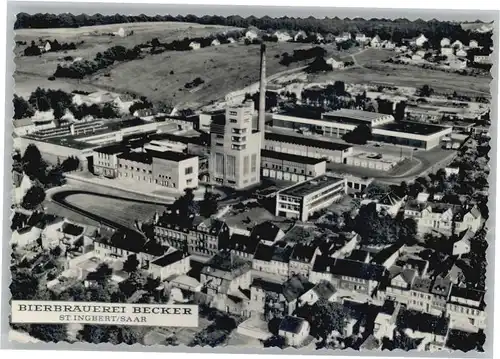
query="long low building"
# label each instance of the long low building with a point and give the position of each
(384, 127)
(288, 167)
(171, 169)
(307, 147)
(305, 198)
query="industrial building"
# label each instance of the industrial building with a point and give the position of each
(384, 127)
(308, 147)
(288, 167)
(305, 198)
(235, 148)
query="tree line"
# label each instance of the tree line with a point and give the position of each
(55, 46)
(60, 102)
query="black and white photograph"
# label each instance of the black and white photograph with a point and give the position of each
(251, 178)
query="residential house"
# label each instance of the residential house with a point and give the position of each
(457, 44)
(243, 246)
(319, 38)
(421, 325)
(442, 217)
(251, 34)
(120, 32)
(196, 235)
(430, 296)
(389, 45)
(482, 59)
(282, 36)
(345, 36)
(387, 202)
(461, 244)
(416, 57)
(194, 45)
(361, 37)
(420, 265)
(173, 263)
(215, 42)
(323, 290)
(231, 40)
(25, 236)
(71, 234)
(360, 255)
(449, 171)
(295, 330)
(273, 258)
(385, 321)
(376, 42)
(23, 126)
(445, 42)
(473, 44)
(335, 63)
(275, 300)
(466, 309)
(457, 64)
(302, 259)
(348, 274)
(352, 239)
(461, 52)
(447, 51)
(267, 231)
(300, 36)
(420, 40)
(400, 282)
(387, 256)
(226, 280)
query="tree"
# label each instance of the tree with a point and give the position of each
(33, 198)
(33, 164)
(94, 334)
(360, 135)
(59, 110)
(209, 205)
(275, 341)
(155, 42)
(23, 285)
(326, 316)
(399, 113)
(425, 91)
(22, 108)
(131, 264)
(102, 273)
(400, 341)
(48, 332)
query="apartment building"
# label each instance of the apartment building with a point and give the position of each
(289, 167)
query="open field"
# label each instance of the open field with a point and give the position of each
(372, 56)
(96, 39)
(120, 211)
(411, 76)
(224, 68)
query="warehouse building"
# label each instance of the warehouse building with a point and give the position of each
(307, 147)
(384, 127)
(288, 167)
(305, 198)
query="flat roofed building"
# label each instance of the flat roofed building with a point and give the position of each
(235, 148)
(307, 147)
(105, 160)
(412, 134)
(289, 167)
(163, 168)
(357, 117)
(303, 199)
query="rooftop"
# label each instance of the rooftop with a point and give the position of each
(306, 141)
(310, 186)
(279, 252)
(289, 157)
(148, 155)
(292, 289)
(72, 229)
(292, 324)
(465, 293)
(169, 258)
(357, 115)
(415, 128)
(349, 268)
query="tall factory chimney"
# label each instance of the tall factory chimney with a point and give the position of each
(262, 93)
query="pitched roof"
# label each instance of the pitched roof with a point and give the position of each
(465, 293)
(291, 289)
(422, 322)
(267, 231)
(170, 258)
(303, 253)
(292, 324)
(324, 289)
(279, 252)
(243, 243)
(72, 229)
(349, 268)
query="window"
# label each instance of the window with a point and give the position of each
(246, 165)
(219, 144)
(219, 163)
(219, 136)
(188, 170)
(231, 166)
(238, 147)
(233, 120)
(233, 113)
(254, 163)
